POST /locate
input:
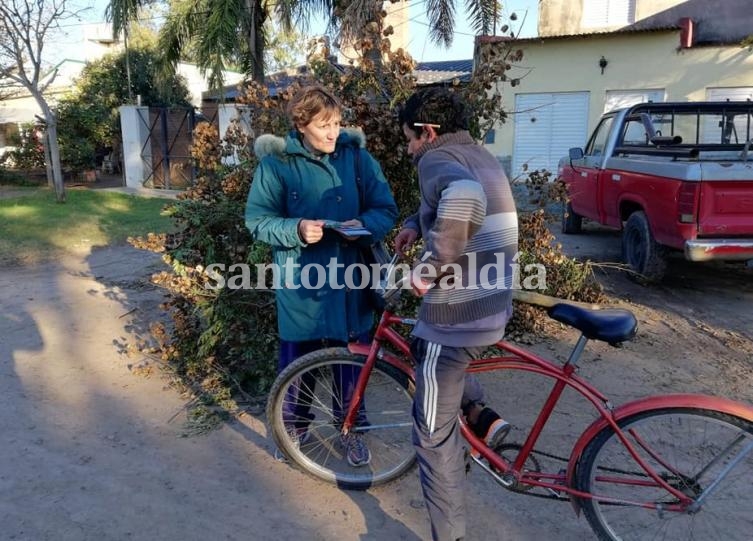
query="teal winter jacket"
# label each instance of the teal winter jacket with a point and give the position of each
(289, 185)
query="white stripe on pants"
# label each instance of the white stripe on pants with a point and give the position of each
(440, 386)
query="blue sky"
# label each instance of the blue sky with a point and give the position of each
(422, 50)
(419, 47)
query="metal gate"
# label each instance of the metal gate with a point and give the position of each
(167, 149)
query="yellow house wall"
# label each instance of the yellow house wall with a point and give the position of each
(646, 60)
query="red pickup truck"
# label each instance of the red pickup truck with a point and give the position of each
(671, 176)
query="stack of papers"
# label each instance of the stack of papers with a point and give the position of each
(347, 230)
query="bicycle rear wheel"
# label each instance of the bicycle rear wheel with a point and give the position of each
(311, 440)
(690, 448)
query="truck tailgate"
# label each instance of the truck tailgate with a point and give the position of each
(726, 208)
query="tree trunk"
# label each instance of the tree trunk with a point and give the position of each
(261, 18)
(379, 95)
(52, 139)
(57, 171)
(47, 159)
(255, 38)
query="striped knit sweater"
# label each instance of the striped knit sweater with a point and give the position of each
(469, 224)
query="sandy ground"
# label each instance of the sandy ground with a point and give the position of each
(93, 451)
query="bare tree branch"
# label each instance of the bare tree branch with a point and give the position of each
(25, 26)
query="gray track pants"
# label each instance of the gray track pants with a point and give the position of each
(441, 387)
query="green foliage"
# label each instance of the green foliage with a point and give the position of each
(88, 118)
(29, 151)
(78, 153)
(143, 32)
(15, 178)
(283, 49)
(228, 337)
(215, 35)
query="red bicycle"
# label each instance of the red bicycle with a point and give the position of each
(674, 466)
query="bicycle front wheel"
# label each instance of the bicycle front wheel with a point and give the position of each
(690, 448)
(305, 409)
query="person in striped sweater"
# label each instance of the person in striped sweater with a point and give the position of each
(468, 222)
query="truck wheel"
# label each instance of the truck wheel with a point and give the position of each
(571, 222)
(641, 252)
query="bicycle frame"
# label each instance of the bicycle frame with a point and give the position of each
(515, 358)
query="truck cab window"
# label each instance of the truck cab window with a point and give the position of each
(595, 146)
(635, 133)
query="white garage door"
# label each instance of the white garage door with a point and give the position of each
(710, 132)
(546, 126)
(739, 93)
(616, 99)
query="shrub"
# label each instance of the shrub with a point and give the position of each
(229, 337)
(28, 153)
(88, 117)
(566, 278)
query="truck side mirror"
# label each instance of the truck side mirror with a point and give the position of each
(576, 153)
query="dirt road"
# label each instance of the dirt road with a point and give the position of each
(92, 451)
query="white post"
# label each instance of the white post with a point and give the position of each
(137, 158)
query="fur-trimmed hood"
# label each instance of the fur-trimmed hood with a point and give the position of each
(269, 144)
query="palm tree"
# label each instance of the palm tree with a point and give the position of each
(348, 18)
(121, 13)
(211, 28)
(441, 14)
(351, 20)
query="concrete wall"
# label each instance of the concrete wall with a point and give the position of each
(563, 17)
(717, 21)
(135, 131)
(398, 17)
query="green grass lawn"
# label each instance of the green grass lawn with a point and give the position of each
(34, 228)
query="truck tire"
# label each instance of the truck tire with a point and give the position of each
(645, 257)
(571, 223)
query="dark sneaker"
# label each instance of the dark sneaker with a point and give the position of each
(356, 451)
(495, 435)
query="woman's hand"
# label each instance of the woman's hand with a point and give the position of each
(405, 239)
(311, 231)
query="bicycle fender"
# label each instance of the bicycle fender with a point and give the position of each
(722, 405)
(359, 349)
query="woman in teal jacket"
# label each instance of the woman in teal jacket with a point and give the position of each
(319, 173)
